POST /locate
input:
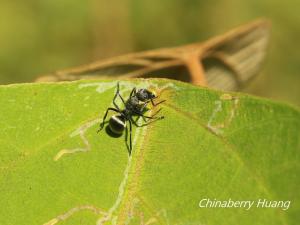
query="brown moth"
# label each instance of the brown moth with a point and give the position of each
(224, 62)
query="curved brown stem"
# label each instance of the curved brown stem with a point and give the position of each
(197, 73)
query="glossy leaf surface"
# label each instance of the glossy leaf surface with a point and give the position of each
(56, 169)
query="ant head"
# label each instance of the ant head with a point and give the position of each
(144, 94)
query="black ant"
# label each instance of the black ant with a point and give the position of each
(134, 106)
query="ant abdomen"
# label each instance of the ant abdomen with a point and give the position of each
(117, 124)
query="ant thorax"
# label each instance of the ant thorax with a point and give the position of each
(133, 104)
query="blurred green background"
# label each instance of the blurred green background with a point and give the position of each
(38, 37)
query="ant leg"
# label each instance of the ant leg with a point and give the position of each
(156, 104)
(116, 95)
(150, 117)
(135, 122)
(153, 104)
(103, 120)
(154, 114)
(137, 119)
(130, 136)
(142, 110)
(153, 117)
(133, 92)
(126, 140)
(147, 123)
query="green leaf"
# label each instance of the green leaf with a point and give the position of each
(56, 169)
